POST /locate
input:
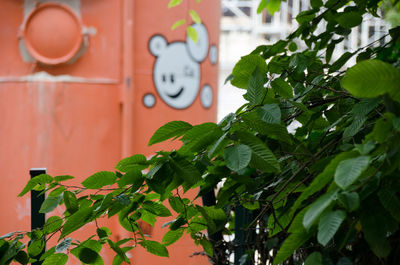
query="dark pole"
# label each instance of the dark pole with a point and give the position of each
(37, 219)
(243, 235)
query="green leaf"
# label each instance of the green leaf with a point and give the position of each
(371, 78)
(63, 245)
(317, 208)
(88, 255)
(316, 3)
(155, 248)
(49, 204)
(273, 6)
(71, 202)
(52, 224)
(207, 246)
(328, 226)
(322, 179)
(137, 162)
(176, 204)
(292, 46)
(255, 88)
(62, 178)
(305, 16)
(282, 88)
(35, 247)
(218, 145)
(314, 258)
(261, 6)
(132, 177)
(56, 259)
(262, 157)
(354, 127)
(76, 221)
(185, 171)
(173, 3)
(337, 65)
(40, 180)
(195, 17)
(349, 19)
(57, 192)
(178, 23)
(348, 171)
(172, 236)
(270, 113)
(192, 33)
(290, 245)
(156, 209)
(99, 180)
(169, 130)
(350, 200)
(345, 261)
(237, 157)
(244, 69)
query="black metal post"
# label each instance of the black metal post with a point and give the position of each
(37, 219)
(243, 235)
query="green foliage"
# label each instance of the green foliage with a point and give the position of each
(325, 193)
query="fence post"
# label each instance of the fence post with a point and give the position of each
(37, 219)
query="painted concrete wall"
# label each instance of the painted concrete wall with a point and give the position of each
(84, 116)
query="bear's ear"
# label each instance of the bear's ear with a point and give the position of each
(157, 45)
(198, 50)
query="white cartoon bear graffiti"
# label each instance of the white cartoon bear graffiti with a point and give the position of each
(177, 72)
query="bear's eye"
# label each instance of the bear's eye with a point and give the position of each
(164, 78)
(172, 78)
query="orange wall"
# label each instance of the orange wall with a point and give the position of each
(79, 128)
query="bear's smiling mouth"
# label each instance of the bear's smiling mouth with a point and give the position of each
(177, 94)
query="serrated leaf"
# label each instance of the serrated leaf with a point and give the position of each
(70, 201)
(282, 88)
(63, 178)
(63, 245)
(350, 200)
(314, 258)
(237, 157)
(137, 162)
(172, 236)
(255, 88)
(317, 208)
(338, 64)
(169, 130)
(290, 245)
(133, 178)
(49, 204)
(195, 17)
(41, 180)
(178, 24)
(245, 68)
(218, 145)
(176, 204)
(270, 113)
(328, 226)
(56, 259)
(155, 248)
(354, 127)
(52, 224)
(99, 180)
(156, 209)
(322, 179)
(76, 221)
(348, 171)
(185, 171)
(262, 157)
(371, 78)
